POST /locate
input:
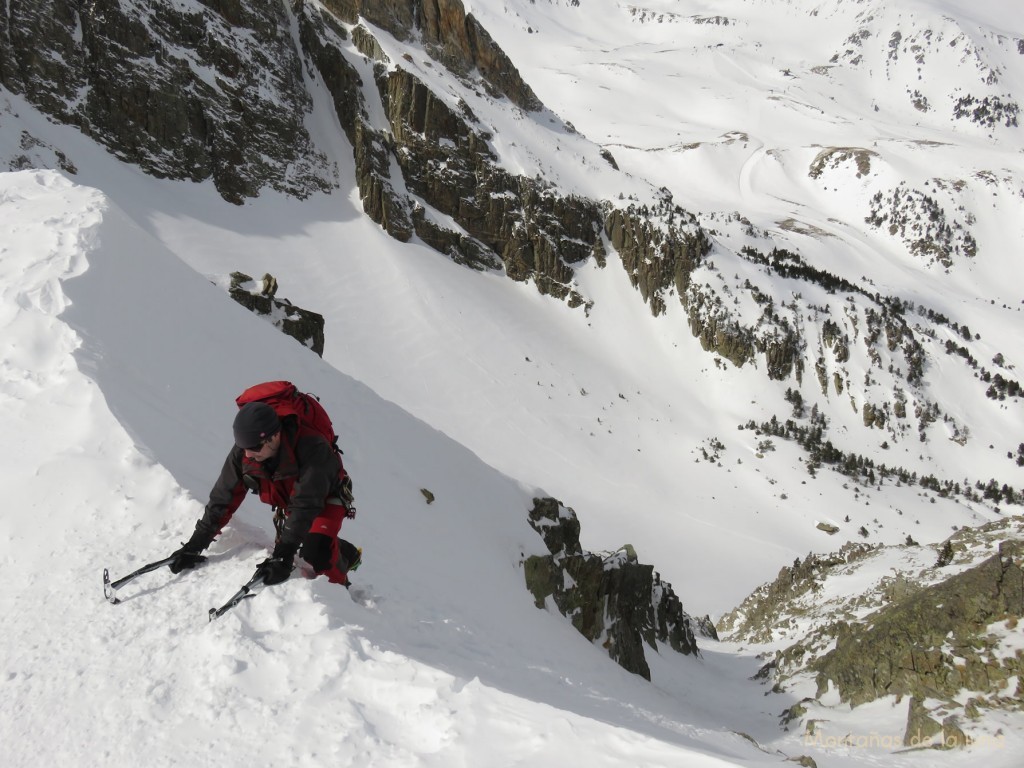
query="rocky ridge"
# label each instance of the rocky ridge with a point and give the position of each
(936, 626)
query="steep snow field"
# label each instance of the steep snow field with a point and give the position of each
(119, 368)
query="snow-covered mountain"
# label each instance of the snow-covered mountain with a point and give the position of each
(832, 346)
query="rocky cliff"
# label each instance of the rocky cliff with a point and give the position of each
(220, 91)
(184, 91)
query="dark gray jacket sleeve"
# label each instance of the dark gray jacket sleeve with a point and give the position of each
(225, 497)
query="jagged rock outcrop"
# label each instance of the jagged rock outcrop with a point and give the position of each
(258, 296)
(933, 642)
(611, 599)
(659, 258)
(661, 250)
(940, 632)
(514, 223)
(215, 92)
(35, 153)
(452, 36)
(535, 231)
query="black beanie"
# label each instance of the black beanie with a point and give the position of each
(254, 423)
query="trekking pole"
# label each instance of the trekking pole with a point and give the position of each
(110, 589)
(247, 590)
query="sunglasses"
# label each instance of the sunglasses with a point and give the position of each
(260, 445)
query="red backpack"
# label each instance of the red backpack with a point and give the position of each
(286, 400)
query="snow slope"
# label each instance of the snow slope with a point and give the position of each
(119, 366)
(437, 656)
(121, 356)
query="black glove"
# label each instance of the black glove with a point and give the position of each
(274, 570)
(184, 559)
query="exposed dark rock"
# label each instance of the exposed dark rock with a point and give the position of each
(924, 732)
(461, 248)
(612, 599)
(704, 626)
(452, 36)
(932, 644)
(834, 157)
(607, 155)
(178, 91)
(661, 249)
(36, 153)
(445, 159)
(657, 258)
(259, 297)
(934, 635)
